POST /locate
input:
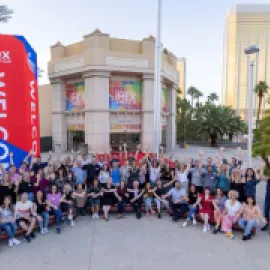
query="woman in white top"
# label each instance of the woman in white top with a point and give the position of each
(231, 213)
(181, 175)
(154, 171)
(104, 175)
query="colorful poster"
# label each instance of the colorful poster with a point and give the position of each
(19, 111)
(164, 99)
(125, 96)
(75, 96)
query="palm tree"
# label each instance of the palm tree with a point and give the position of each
(217, 121)
(260, 89)
(212, 98)
(5, 13)
(198, 94)
(192, 92)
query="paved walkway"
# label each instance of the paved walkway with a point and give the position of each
(132, 244)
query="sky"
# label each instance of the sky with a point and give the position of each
(192, 29)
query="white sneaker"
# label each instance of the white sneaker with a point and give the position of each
(46, 230)
(10, 242)
(94, 216)
(72, 223)
(184, 225)
(69, 216)
(205, 228)
(97, 216)
(194, 221)
(16, 241)
(208, 227)
(42, 231)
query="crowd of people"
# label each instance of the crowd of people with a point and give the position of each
(217, 190)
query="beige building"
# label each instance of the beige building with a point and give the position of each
(102, 92)
(246, 25)
(181, 67)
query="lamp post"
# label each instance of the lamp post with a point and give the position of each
(248, 51)
(157, 97)
(5, 13)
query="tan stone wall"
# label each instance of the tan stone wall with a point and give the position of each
(45, 110)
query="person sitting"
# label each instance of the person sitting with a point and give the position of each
(148, 196)
(206, 211)
(159, 191)
(41, 209)
(219, 204)
(94, 195)
(80, 198)
(67, 204)
(108, 198)
(26, 186)
(122, 195)
(54, 201)
(25, 216)
(135, 195)
(179, 201)
(192, 199)
(230, 213)
(7, 221)
(250, 214)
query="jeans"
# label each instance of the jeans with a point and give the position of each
(247, 226)
(46, 218)
(10, 228)
(191, 213)
(148, 204)
(121, 206)
(58, 216)
(31, 196)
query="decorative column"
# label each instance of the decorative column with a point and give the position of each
(148, 132)
(97, 115)
(59, 123)
(171, 119)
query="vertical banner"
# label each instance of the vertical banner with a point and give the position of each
(19, 112)
(164, 99)
(75, 96)
(125, 96)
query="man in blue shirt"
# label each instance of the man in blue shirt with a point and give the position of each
(79, 173)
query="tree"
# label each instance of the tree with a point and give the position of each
(262, 145)
(5, 13)
(260, 89)
(192, 92)
(198, 95)
(217, 121)
(212, 98)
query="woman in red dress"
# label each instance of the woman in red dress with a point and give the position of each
(205, 201)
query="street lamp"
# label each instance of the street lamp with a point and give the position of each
(5, 13)
(249, 51)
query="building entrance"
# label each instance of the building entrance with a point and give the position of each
(76, 138)
(131, 139)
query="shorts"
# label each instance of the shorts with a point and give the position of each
(95, 201)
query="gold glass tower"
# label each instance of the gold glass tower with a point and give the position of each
(246, 25)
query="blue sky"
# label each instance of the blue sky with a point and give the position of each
(192, 29)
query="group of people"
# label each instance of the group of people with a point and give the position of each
(217, 190)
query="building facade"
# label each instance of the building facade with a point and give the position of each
(181, 67)
(103, 94)
(245, 25)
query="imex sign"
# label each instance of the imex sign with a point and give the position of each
(19, 112)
